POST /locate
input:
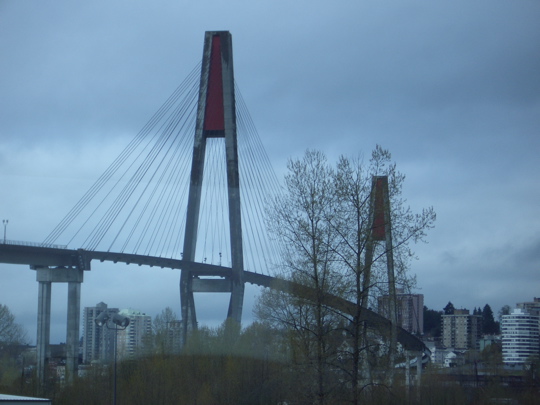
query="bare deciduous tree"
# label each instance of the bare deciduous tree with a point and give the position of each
(10, 331)
(300, 217)
(324, 218)
(161, 329)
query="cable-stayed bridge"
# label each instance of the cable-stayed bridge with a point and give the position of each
(151, 207)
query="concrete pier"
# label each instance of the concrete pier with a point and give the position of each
(43, 328)
(45, 276)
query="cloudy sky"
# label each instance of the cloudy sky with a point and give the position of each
(451, 88)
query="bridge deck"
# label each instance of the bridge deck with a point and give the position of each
(37, 256)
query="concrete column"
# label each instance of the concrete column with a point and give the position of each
(418, 368)
(418, 375)
(45, 277)
(43, 328)
(72, 334)
(407, 369)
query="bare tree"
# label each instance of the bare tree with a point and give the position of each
(11, 336)
(161, 331)
(10, 331)
(300, 217)
(363, 261)
(325, 218)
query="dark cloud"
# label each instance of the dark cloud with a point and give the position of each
(451, 88)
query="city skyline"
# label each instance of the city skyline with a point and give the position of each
(451, 89)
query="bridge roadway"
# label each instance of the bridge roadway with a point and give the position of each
(54, 257)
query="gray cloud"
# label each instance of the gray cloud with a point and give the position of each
(451, 88)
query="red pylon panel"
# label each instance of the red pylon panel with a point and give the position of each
(214, 115)
(379, 223)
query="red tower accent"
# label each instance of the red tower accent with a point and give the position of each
(214, 118)
(379, 223)
(381, 230)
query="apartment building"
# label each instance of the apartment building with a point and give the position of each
(520, 336)
(531, 307)
(410, 310)
(135, 338)
(98, 341)
(461, 330)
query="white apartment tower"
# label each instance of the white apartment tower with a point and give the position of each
(520, 336)
(133, 340)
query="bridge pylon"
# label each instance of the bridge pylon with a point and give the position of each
(381, 231)
(216, 118)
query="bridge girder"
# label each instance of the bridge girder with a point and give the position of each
(17, 254)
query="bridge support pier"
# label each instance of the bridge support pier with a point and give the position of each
(72, 333)
(45, 277)
(418, 369)
(43, 328)
(418, 380)
(418, 374)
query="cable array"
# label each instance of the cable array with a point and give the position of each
(259, 185)
(138, 205)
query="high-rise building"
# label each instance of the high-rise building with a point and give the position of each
(520, 336)
(174, 336)
(410, 310)
(461, 330)
(532, 308)
(134, 339)
(98, 341)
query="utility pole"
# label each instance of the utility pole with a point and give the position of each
(5, 222)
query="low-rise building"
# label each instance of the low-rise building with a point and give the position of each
(489, 340)
(454, 358)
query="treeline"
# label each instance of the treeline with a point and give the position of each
(250, 366)
(226, 365)
(432, 319)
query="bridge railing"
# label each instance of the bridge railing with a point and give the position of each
(34, 244)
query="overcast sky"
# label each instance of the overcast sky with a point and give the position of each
(451, 88)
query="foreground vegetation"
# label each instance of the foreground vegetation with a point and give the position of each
(258, 365)
(232, 379)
